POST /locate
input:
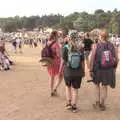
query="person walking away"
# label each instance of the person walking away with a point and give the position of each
(53, 70)
(103, 63)
(31, 43)
(35, 42)
(87, 43)
(113, 39)
(117, 42)
(14, 45)
(73, 58)
(17, 43)
(20, 45)
(44, 41)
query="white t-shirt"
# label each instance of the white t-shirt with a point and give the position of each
(18, 41)
(117, 41)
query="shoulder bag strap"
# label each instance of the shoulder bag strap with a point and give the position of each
(52, 44)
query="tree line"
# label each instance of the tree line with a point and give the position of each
(81, 21)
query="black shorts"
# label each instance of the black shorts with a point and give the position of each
(74, 81)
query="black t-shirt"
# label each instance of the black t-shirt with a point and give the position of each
(67, 70)
(87, 44)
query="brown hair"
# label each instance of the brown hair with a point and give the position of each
(65, 31)
(53, 35)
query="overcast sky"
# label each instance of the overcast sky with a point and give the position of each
(40, 7)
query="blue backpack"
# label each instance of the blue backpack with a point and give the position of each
(74, 58)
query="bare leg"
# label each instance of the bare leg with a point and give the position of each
(52, 83)
(96, 105)
(68, 98)
(87, 63)
(60, 78)
(74, 96)
(103, 94)
(97, 92)
(74, 99)
(103, 98)
(68, 94)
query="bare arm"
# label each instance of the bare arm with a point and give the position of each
(92, 57)
(116, 55)
(83, 66)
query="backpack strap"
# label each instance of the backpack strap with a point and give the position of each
(52, 44)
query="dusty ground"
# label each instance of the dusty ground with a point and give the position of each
(25, 94)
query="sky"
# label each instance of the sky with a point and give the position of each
(10, 8)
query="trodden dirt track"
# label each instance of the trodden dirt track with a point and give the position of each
(25, 94)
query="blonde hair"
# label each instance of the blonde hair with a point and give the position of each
(104, 34)
(75, 45)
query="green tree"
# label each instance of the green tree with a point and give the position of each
(10, 26)
(82, 23)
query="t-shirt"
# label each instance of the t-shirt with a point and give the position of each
(2, 49)
(67, 70)
(117, 41)
(18, 41)
(87, 44)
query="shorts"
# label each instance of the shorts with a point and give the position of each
(86, 54)
(74, 82)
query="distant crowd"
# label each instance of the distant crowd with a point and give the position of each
(66, 54)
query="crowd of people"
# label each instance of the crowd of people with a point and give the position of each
(71, 57)
(5, 62)
(68, 58)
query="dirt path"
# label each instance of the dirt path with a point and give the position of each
(25, 94)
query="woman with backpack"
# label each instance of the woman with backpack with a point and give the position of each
(73, 58)
(103, 63)
(54, 68)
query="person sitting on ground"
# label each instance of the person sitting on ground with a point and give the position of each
(4, 57)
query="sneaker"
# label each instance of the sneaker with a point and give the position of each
(74, 109)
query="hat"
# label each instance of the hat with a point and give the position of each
(46, 62)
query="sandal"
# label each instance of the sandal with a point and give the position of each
(68, 106)
(54, 93)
